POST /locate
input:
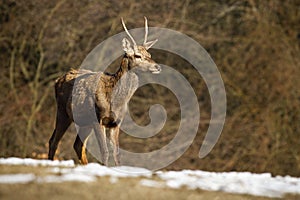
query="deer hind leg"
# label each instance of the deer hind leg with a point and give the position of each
(62, 124)
(80, 144)
(100, 133)
(114, 139)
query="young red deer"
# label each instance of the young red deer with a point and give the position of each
(108, 101)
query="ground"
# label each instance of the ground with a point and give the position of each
(125, 188)
(103, 187)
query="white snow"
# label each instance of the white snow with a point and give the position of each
(65, 178)
(16, 178)
(97, 170)
(232, 182)
(152, 183)
(34, 162)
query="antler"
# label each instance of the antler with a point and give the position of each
(124, 26)
(146, 44)
(146, 31)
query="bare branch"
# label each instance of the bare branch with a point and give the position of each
(12, 84)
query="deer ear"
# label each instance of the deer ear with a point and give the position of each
(148, 45)
(127, 46)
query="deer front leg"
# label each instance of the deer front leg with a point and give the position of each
(101, 139)
(114, 138)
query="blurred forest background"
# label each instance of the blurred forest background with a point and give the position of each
(255, 44)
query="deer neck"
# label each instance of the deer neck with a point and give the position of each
(123, 69)
(125, 84)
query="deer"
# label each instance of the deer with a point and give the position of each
(105, 95)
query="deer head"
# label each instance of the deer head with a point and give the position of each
(138, 56)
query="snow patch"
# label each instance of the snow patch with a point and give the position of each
(65, 178)
(16, 178)
(95, 169)
(152, 183)
(113, 179)
(232, 182)
(34, 162)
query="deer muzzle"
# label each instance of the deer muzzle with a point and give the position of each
(155, 69)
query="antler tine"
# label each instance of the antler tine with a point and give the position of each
(124, 26)
(146, 30)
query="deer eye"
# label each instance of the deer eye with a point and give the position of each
(137, 56)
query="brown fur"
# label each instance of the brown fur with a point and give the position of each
(98, 101)
(80, 94)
